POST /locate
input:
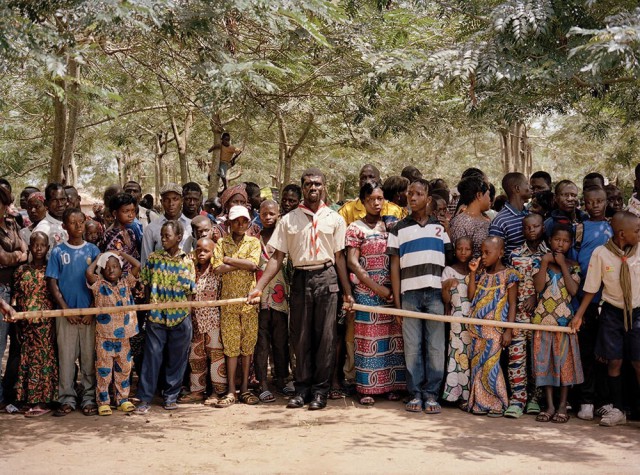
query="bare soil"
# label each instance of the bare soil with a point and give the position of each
(344, 438)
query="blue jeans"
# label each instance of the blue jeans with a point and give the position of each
(424, 343)
(175, 342)
(5, 294)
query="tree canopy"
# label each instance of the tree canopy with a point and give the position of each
(98, 92)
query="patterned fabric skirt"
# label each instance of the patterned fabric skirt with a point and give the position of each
(456, 384)
(38, 371)
(488, 388)
(379, 350)
(556, 359)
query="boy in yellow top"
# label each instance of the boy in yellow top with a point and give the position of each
(228, 156)
(236, 258)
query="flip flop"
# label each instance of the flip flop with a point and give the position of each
(126, 407)
(64, 410)
(431, 406)
(393, 396)
(532, 408)
(90, 410)
(513, 412)
(415, 405)
(104, 410)
(265, 397)
(495, 414)
(367, 401)
(36, 412)
(337, 394)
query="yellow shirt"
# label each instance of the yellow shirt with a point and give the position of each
(354, 210)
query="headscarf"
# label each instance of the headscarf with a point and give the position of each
(234, 190)
(39, 195)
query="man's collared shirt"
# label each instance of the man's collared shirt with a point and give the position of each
(151, 239)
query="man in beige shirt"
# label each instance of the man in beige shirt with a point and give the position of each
(314, 237)
(228, 156)
(616, 268)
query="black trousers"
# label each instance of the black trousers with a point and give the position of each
(273, 332)
(593, 390)
(313, 308)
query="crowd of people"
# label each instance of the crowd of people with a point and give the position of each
(554, 256)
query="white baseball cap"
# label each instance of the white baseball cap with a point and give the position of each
(237, 211)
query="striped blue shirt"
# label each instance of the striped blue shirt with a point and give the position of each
(508, 225)
(422, 252)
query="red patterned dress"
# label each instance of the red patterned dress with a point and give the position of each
(379, 347)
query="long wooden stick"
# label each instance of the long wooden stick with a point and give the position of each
(81, 312)
(464, 320)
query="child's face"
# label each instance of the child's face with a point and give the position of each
(38, 247)
(417, 197)
(595, 202)
(169, 238)
(91, 232)
(567, 198)
(289, 201)
(239, 226)
(441, 209)
(268, 215)
(561, 242)
(533, 227)
(464, 250)
(107, 217)
(204, 251)
(74, 225)
(491, 253)
(631, 233)
(203, 229)
(614, 200)
(112, 270)
(126, 214)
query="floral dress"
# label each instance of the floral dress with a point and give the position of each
(456, 385)
(488, 390)
(556, 355)
(38, 370)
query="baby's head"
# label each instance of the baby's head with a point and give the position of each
(204, 251)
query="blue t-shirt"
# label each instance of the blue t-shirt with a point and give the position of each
(68, 264)
(594, 234)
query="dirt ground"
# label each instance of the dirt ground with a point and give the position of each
(344, 438)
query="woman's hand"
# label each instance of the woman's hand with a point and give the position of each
(506, 337)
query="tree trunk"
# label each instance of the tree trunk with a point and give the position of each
(182, 142)
(214, 180)
(161, 150)
(286, 151)
(516, 149)
(59, 131)
(69, 168)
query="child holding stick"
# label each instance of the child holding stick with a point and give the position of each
(494, 294)
(75, 335)
(236, 258)
(37, 384)
(113, 351)
(169, 276)
(556, 355)
(206, 344)
(457, 304)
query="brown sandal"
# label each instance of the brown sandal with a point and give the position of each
(63, 410)
(544, 417)
(559, 418)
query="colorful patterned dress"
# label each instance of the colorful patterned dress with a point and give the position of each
(38, 370)
(488, 389)
(456, 385)
(379, 347)
(556, 355)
